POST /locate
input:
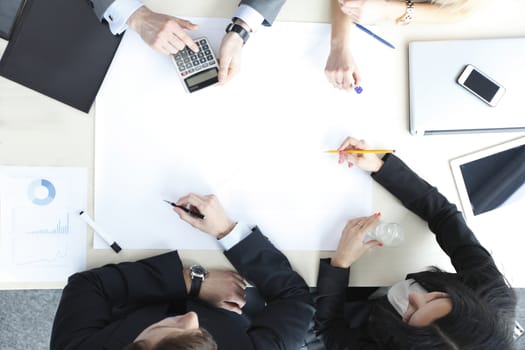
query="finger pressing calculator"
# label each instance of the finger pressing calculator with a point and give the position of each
(197, 70)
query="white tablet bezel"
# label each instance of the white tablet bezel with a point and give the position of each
(455, 166)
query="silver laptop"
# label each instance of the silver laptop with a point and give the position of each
(439, 105)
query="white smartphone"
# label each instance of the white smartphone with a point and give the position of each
(479, 84)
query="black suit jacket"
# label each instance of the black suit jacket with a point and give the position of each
(348, 330)
(107, 307)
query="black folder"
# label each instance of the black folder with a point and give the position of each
(60, 49)
(9, 11)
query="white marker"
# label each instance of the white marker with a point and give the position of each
(107, 238)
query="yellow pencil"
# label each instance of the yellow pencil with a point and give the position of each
(362, 151)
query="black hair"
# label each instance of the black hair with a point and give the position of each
(481, 317)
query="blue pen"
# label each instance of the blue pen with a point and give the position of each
(367, 31)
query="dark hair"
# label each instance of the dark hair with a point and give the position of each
(201, 340)
(481, 318)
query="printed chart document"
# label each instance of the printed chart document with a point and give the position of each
(257, 142)
(41, 236)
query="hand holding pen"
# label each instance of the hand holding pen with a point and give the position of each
(356, 152)
(214, 220)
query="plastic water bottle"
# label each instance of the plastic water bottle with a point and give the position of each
(390, 234)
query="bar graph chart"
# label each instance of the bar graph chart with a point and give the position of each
(59, 228)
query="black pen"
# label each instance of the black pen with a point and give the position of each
(191, 212)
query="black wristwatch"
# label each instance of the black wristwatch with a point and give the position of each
(197, 274)
(237, 28)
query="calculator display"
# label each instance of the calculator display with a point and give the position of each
(201, 77)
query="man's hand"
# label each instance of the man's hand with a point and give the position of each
(215, 222)
(224, 289)
(163, 33)
(230, 56)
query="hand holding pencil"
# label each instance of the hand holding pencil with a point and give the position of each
(357, 152)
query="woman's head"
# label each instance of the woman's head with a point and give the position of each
(451, 316)
(425, 308)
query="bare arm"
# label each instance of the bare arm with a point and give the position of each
(341, 69)
(389, 11)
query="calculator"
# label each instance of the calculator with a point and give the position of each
(197, 70)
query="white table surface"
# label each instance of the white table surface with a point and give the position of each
(36, 130)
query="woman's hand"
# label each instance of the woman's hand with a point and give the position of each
(351, 246)
(369, 11)
(215, 222)
(341, 69)
(368, 162)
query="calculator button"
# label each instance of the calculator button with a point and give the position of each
(198, 68)
(183, 74)
(211, 63)
(204, 65)
(195, 63)
(209, 58)
(191, 70)
(207, 52)
(202, 60)
(200, 54)
(205, 47)
(202, 41)
(187, 60)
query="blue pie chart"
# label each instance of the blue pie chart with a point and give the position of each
(41, 192)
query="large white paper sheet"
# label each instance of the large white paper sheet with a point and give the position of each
(42, 238)
(257, 142)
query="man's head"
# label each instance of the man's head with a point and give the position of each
(174, 333)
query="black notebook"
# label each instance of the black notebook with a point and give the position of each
(60, 49)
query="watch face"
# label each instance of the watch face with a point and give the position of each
(198, 271)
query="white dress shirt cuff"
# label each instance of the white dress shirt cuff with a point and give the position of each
(250, 16)
(239, 232)
(118, 12)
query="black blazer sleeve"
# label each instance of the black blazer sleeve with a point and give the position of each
(100, 6)
(268, 8)
(452, 233)
(284, 321)
(330, 323)
(89, 317)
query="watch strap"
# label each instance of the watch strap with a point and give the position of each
(237, 28)
(196, 283)
(409, 13)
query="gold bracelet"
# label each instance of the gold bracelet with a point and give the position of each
(409, 14)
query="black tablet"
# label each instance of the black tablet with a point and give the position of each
(9, 12)
(490, 178)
